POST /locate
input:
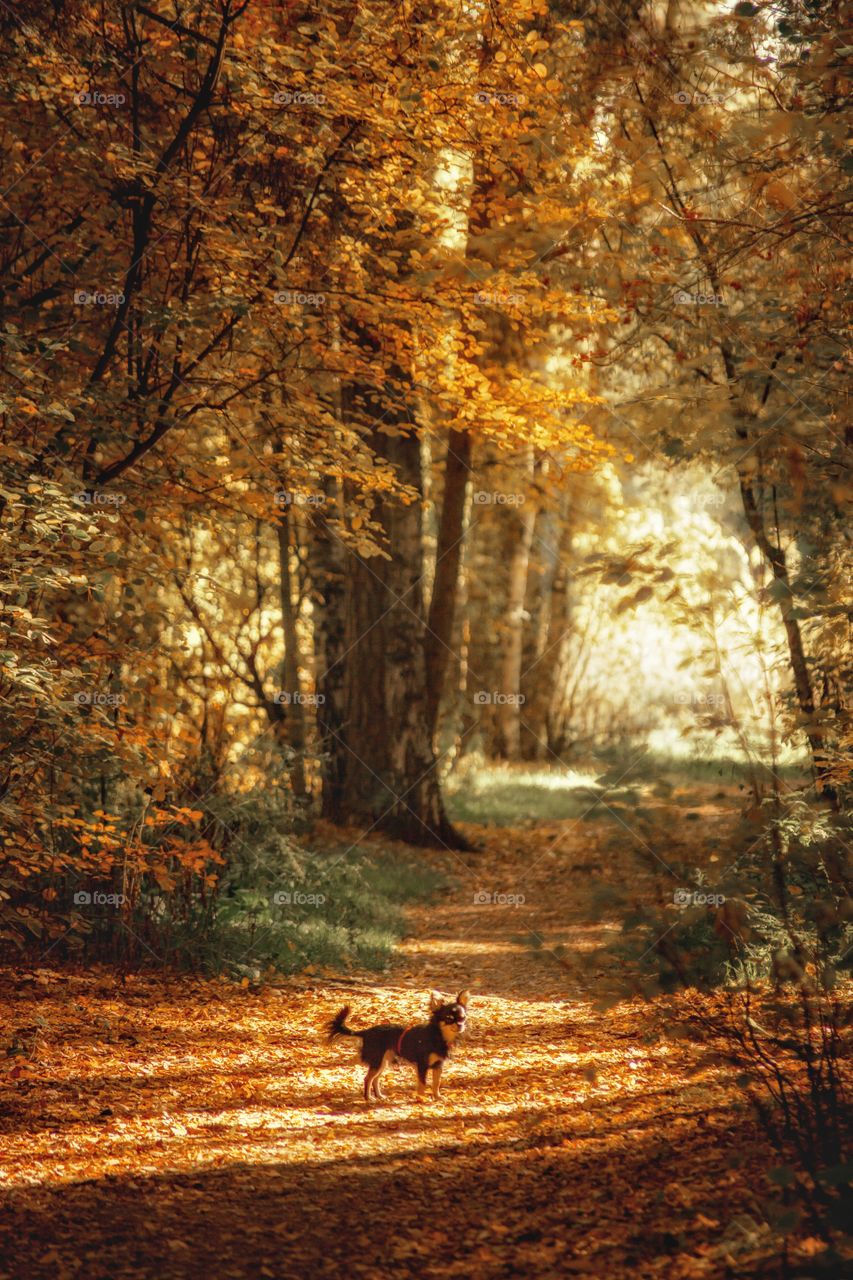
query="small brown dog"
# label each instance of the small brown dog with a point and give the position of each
(426, 1044)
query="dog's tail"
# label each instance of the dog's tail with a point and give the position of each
(338, 1026)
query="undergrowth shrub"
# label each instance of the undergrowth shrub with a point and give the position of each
(768, 942)
(235, 887)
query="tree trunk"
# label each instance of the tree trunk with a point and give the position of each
(326, 559)
(774, 556)
(442, 609)
(553, 671)
(508, 709)
(292, 694)
(540, 641)
(384, 750)
(381, 769)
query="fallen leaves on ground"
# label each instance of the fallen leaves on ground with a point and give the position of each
(171, 1127)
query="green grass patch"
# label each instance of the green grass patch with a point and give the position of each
(605, 788)
(511, 795)
(325, 909)
(504, 795)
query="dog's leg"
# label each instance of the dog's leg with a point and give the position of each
(422, 1082)
(436, 1079)
(377, 1092)
(372, 1073)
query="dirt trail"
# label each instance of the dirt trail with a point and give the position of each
(176, 1129)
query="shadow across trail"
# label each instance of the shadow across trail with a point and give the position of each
(228, 1138)
(494, 1208)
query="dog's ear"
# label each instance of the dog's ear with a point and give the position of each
(463, 998)
(435, 1001)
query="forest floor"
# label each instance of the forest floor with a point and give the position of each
(169, 1127)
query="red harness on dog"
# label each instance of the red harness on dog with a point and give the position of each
(399, 1049)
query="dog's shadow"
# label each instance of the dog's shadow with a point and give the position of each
(382, 1107)
(343, 1107)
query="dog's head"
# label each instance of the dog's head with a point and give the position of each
(449, 1015)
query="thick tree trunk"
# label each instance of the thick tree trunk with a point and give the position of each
(384, 750)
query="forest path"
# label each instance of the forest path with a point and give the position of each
(177, 1129)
